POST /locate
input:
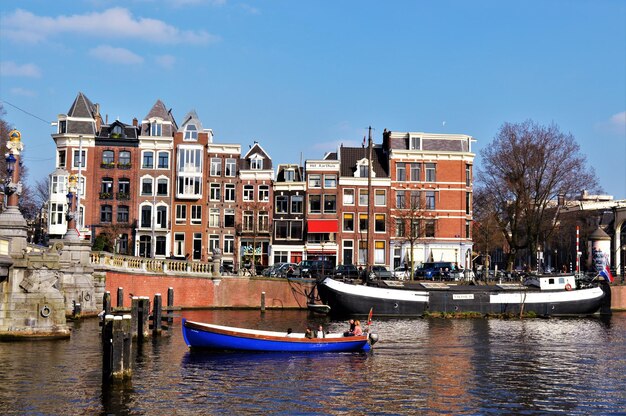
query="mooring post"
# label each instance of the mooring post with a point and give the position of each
(134, 316)
(128, 342)
(156, 314)
(106, 303)
(120, 297)
(118, 348)
(107, 347)
(170, 305)
(143, 330)
(262, 301)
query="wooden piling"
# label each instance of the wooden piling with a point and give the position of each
(117, 340)
(134, 316)
(262, 301)
(127, 346)
(156, 314)
(106, 303)
(170, 306)
(143, 328)
(120, 297)
(107, 346)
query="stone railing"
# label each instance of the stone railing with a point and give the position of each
(109, 261)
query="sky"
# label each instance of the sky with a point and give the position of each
(303, 77)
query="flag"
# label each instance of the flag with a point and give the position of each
(369, 316)
(606, 273)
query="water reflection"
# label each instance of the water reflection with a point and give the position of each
(419, 366)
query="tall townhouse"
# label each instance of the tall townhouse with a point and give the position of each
(154, 183)
(288, 237)
(75, 140)
(113, 195)
(363, 207)
(322, 212)
(431, 181)
(256, 176)
(188, 228)
(223, 198)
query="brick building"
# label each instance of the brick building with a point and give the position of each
(289, 214)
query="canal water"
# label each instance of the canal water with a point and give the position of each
(420, 366)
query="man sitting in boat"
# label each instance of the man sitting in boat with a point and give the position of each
(350, 331)
(308, 333)
(319, 332)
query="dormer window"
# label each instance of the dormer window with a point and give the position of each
(256, 163)
(117, 132)
(191, 132)
(290, 175)
(156, 128)
(62, 126)
(362, 169)
(415, 143)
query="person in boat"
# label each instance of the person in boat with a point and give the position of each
(288, 332)
(358, 331)
(350, 331)
(319, 332)
(308, 333)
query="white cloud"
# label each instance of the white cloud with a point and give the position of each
(166, 61)
(11, 69)
(616, 124)
(185, 3)
(23, 92)
(110, 54)
(114, 23)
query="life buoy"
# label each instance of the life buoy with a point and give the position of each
(45, 311)
(568, 286)
(87, 297)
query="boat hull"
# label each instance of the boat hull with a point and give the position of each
(206, 336)
(349, 299)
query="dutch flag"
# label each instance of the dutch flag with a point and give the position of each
(606, 273)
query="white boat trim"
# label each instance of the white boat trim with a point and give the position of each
(547, 297)
(377, 292)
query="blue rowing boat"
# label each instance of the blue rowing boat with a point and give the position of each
(199, 335)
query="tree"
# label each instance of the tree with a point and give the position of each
(524, 169)
(410, 226)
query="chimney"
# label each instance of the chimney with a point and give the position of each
(98, 117)
(135, 122)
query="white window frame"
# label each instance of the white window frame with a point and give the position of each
(216, 167)
(214, 217)
(215, 192)
(179, 245)
(248, 193)
(144, 152)
(196, 215)
(380, 197)
(181, 214)
(230, 192)
(230, 168)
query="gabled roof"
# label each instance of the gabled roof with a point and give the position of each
(349, 156)
(280, 176)
(159, 110)
(191, 117)
(130, 132)
(82, 107)
(255, 149)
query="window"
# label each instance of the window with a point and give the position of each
(156, 128)
(189, 169)
(108, 157)
(348, 196)
(196, 214)
(379, 223)
(62, 126)
(430, 172)
(296, 230)
(181, 214)
(147, 160)
(400, 201)
(122, 244)
(362, 251)
(281, 229)
(106, 213)
(146, 216)
(124, 159)
(416, 200)
(229, 244)
(161, 246)
(61, 159)
(214, 242)
(290, 175)
(58, 184)
(264, 193)
(248, 192)
(214, 217)
(248, 221)
(330, 181)
(145, 246)
(162, 186)
(122, 214)
(117, 132)
(416, 228)
(216, 167)
(429, 228)
(281, 257)
(189, 160)
(56, 213)
(468, 175)
(256, 164)
(416, 171)
(400, 229)
(106, 188)
(348, 249)
(161, 216)
(430, 199)
(315, 206)
(348, 222)
(330, 204)
(189, 186)
(315, 181)
(400, 173)
(363, 170)
(231, 168)
(123, 188)
(363, 200)
(146, 186)
(229, 218)
(281, 204)
(80, 159)
(380, 197)
(297, 203)
(468, 202)
(164, 160)
(414, 143)
(191, 132)
(215, 192)
(264, 221)
(229, 192)
(379, 252)
(363, 222)
(468, 227)
(179, 244)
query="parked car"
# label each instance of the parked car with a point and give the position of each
(314, 268)
(435, 270)
(271, 270)
(283, 270)
(402, 273)
(380, 272)
(346, 271)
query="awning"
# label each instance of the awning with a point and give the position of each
(322, 226)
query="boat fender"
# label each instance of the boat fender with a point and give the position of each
(568, 287)
(373, 338)
(45, 311)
